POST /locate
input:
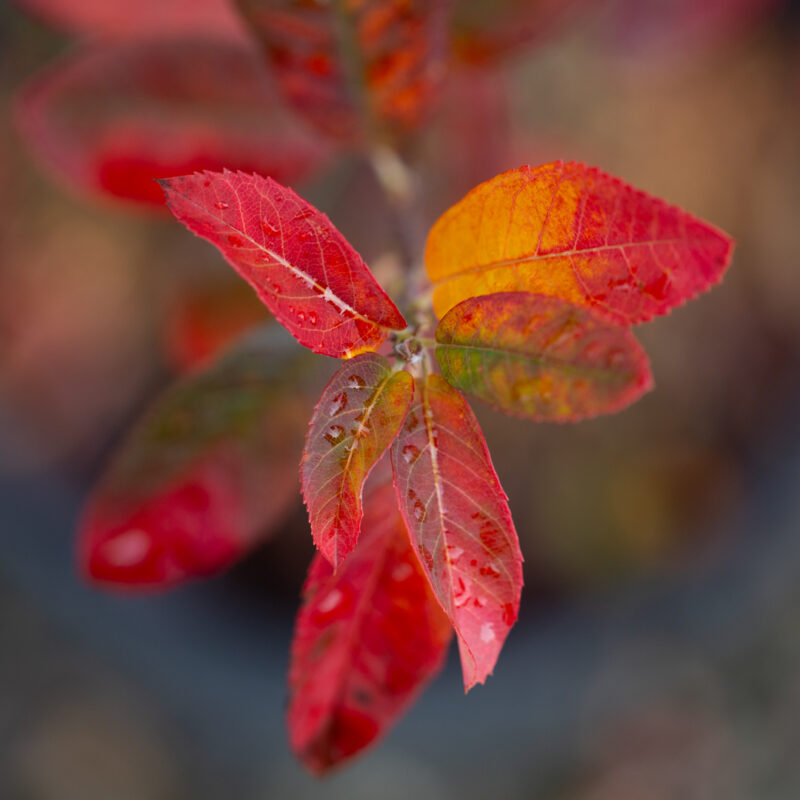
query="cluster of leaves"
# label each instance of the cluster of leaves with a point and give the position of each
(537, 277)
(533, 282)
(172, 87)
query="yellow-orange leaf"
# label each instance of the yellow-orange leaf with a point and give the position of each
(574, 232)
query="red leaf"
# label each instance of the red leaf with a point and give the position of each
(108, 120)
(355, 421)
(459, 522)
(573, 232)
(540, 357)
(203, 477)
(120, 19)
(367, 641)
(344, 66)
(303, 269)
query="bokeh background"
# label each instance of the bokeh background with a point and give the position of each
(658, 649)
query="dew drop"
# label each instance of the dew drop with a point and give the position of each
(419, 511)
(127, 549)
(301, 315)
(410, 453)
(356, 382)
(402, 571)
(331, 601)
(461, 593)
(312, 317)
(222, 205)
(360, 431)
(276, 287)
(616, 358)
(235, 241)
(492, 539)
(304, 236)
(454, 552)
(304, 213)
(337, 404)
(334, 434)
(490, 570)
(268, 227)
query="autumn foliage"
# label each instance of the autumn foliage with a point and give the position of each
(531, 287)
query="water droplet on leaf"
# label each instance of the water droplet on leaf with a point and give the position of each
(356, 382)
(454, 552)
(334, 434)
(268, 227)
(402, 571)
(330, 601)
(487, 633)
(410, 453)
(338, 404)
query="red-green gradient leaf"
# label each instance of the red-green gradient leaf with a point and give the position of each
(302, 268)
(459, 522)
(367, 641)
(540, 357)
(206, 474)
(350, 64)
(574, 232)
(109, 119)
(355, 421)
(121, 19)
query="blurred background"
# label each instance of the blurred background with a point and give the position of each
(658, 649)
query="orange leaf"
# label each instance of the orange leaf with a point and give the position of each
(301, 267)
(459, 522)
(540, 357)
(346, 65)
(573, 232)
(367, 641)
(355, 421)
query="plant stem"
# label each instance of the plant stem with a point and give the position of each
(396, 180)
